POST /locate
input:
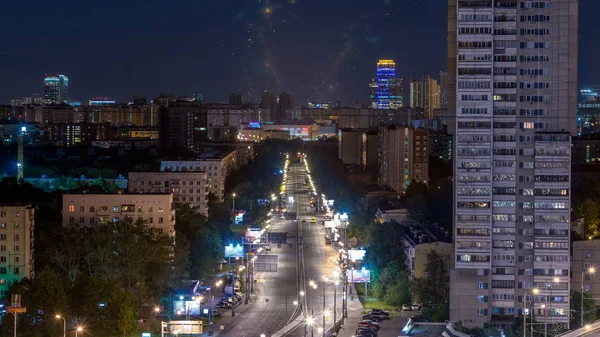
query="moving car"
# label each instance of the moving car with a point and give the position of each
(268, 248)
(313, 220)
(406, 307)
(303, 220)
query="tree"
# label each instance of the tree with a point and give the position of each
(392, 285)
(590, 211)
(432, 288)
(589, 307)
(387, 244)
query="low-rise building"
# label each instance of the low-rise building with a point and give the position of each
(391, 210)
(86, 209)
(127, 144)
(17, 223)
(187, 187)
(586, 255)
(424, 251)
(216, 165)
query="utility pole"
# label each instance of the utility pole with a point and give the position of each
(16, 310)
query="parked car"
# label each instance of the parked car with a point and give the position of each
(267, 248)
(215, 313)
(418, 319)
(373, 317)
(363, 331)
(367, 324)
(371, 322)
(224, 304)
(380, 312)
(415, 307)
(406, 307)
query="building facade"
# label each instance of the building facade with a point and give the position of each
(156, 210)
(187, 187)
(56, 88)
(586, 255)
(403, 156)
(388, 88)
(513, 75)
(425, 94)
(17, 224)
(216, 169)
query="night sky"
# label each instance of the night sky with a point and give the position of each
(314, 49)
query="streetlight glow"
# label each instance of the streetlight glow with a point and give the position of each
(536, 291)
(309, 320)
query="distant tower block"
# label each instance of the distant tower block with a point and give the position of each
(20, 154)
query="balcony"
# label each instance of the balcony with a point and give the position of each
(475, 3)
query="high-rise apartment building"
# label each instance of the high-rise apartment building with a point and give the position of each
(16, 244)
(56, 88)
(443, 90)
(425, 94)
(235, 99)
(513, 89)
(403, 156)
(183, 124)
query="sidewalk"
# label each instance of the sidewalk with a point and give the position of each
(227, 318)
(355, 310)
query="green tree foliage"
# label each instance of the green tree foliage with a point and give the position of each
(387, 245)
(203, 238)
(137, 256)
(590, 211)
(589, 308)
(432, 289)
(392, 284)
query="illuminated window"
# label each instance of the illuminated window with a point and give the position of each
(528, 125)
(71, 208)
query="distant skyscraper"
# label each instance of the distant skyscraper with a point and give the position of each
(269, 102)
(397, 94)
(513, 92)
(56, 88)
(443, 89)
(386, 74)
(284, 107)
(425, 94)
(235, 99)
(199, 96)
(373, 94)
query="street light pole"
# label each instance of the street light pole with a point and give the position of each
(323, 308)
(535, 291)
(64, 325)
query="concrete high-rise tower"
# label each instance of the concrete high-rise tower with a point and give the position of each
(56, 88)
(425, 94)
(512, 78)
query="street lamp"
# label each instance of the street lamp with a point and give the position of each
(591, 271)
(78, 330)
(535, 291)
(64, 324)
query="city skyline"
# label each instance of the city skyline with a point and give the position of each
(223, 60)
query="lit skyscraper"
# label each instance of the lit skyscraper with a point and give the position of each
(425, 94)
(386, 74)
(56, 88)
(512, 78)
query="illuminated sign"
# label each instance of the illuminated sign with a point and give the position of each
(357, 254)
(254, 125)
(234, 250)
(359, 275)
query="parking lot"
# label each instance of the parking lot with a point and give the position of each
(388, 328)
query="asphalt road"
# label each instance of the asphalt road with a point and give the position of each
(275, 292)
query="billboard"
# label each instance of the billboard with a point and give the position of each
(234, 251)
(359, 275)
(357, 254)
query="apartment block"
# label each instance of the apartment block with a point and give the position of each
(585, 262)
(217, 167)
(513, 89)
(187, 187)
(86, 209)
(403, 156)
(17, 223)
